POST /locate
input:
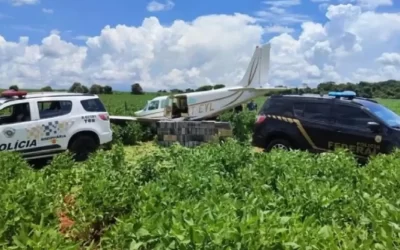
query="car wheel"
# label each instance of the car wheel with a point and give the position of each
(82, 147)
(278, 144)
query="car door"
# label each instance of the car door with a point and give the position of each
(314, 123)
(352, 131)
(16, 116)
(54, 121)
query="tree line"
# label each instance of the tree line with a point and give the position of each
(77, 88)
(385, 89)
(389, 89)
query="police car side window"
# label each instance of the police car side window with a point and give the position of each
(352, 116)
(16, 113)
(93, 105)
(49, 109)
(317, 111)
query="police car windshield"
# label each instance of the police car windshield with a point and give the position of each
(387, 115)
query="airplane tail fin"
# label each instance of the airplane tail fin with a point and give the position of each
(257, 71)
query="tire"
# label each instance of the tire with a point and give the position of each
(82, 146)
(278, 143)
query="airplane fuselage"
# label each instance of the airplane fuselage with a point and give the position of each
(211, 104)
(202, 104)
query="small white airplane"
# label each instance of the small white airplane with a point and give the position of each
(209, 104)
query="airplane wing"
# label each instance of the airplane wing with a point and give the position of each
(258, 89)
(123, 118)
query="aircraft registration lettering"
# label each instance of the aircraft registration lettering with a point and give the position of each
(205, 107)
(360, 148)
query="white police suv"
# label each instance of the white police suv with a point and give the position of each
(41, 125)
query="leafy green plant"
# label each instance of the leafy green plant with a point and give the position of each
(130, 134)
(242, 124)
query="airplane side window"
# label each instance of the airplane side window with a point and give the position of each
(153, 105)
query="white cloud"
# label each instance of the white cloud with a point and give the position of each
(353, 45)
(369, 4)
(278, 29)
(280, 17)
(81, 37)
(390, 59)
(47, 11)
(154, 6)
(24, 2)
(342, 49)
(277, 13)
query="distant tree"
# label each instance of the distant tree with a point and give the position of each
(76, 88)
(96, 89)
(189, 90)
(14, 87)
(85, 89)
(108, 90)
(176, 91)
(205, 88)
(219, 86)
(46, 89)
(136, 89)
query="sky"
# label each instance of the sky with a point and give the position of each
(183, 44)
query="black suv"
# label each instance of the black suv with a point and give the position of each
(320, 123)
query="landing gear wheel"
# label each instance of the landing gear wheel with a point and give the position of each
(82, 147)
(278, 144)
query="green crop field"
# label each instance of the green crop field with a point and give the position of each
(216, 196)
(126, 104)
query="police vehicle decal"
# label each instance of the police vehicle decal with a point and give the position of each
(50, 130)
(18, 145)
(360, 148)
(300, 127)
(89, 118)
(9, 132)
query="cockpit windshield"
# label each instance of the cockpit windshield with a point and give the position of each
(385, 114)
(145, 106)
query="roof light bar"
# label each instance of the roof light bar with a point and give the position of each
(11, 93)
(347, 93)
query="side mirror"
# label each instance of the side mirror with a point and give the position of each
(374, 126)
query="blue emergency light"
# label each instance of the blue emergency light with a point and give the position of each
(347, 93)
